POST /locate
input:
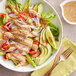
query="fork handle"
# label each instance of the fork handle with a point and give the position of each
(50, 71)
(56, 62)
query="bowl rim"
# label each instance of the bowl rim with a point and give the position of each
(54, 54)
(61, 5)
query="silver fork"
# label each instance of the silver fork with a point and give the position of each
(60, 57)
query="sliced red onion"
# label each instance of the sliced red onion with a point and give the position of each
(10, 40)
(21, 22)
(12, 14)
(15, 50)
(7, 23)
(37, 21)
(12, 26)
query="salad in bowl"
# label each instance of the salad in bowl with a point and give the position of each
(27, 34)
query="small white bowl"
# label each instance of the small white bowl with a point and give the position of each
(61, 5)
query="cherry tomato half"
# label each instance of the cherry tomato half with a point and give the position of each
(37, 43)
(22, 15)
(32, 52)
(5, 46)
(4, 56)
(6, 27)
(2, 14)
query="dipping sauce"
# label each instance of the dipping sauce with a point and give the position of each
(70, 11)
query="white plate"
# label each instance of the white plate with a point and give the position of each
(56, 21)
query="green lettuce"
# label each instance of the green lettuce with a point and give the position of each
(48, 16)
(5, 19)
(15, 3)
(1, 21)
(55, 31)
(26, 5)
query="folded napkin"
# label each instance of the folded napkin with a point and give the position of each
(63, 68)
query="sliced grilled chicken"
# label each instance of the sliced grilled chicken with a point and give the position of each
(22, 49)
(10, 56)
(18, 58)
(27, 41)
(9, 35)
(26, 26)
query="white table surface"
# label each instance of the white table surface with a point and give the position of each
(68, 30)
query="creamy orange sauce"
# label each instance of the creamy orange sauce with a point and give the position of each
(70, 11)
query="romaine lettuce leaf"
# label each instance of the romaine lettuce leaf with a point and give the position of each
(36, 7)
(1, 21)
(16, 4)
(5, 19)
(26, 5)
(48, 16)
(55, 31)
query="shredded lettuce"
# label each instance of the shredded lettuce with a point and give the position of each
(5, 19)
(48, 16)
(26, 5)
(40, 8)
(36, 7)
(1, 21)
(15, 3)
(55, 31)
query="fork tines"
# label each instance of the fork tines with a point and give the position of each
(67, 52)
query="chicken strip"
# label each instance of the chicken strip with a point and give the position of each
(26, 26)
(9, 35)
(27, 41)
(18, 58)
(22, 49)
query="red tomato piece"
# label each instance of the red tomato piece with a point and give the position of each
(4, 56)
(22, 15)
(31, 15)
(37, 43)
(6, 27)
(2, 14)
(32, 52)
(5, 46)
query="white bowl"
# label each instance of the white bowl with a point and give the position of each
(61, 5)
(56, 21)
